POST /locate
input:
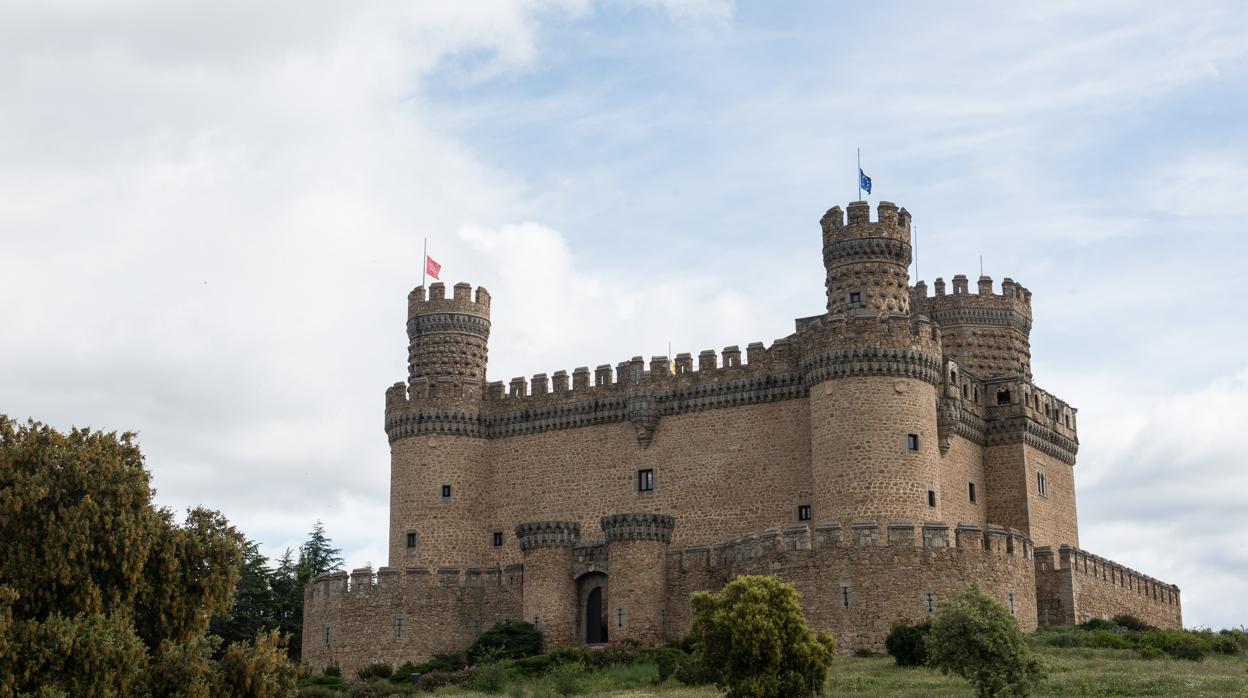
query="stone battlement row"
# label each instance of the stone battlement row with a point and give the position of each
(1010, 290)
(931, 536)
(462, 300)
(1087, 563)
(364, 579)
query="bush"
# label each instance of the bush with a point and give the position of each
(438, 679)
(1109, 639)
(512, 639)
(1098, 624)
(1179, 644)
(535, 666)
(1130, 622)
(1150, 653)
(567, 679)
(665, 659)
(908, 643)
(976, 637)
(755, 637)
(185, 669)
(333, 670)
(379, 670)
(403, 674)
(693, 670)
(1231, 642)
(489, 678)
(260, 669)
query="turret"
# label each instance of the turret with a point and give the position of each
(866, 261)
(447, 341)
(987, 334)
(637, 547)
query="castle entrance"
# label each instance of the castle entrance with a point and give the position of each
(592, 612)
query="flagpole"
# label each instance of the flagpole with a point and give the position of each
(858, 174)
(424, 263)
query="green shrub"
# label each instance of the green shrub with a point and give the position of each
(1148, 652)
(615, 653)
(379, 670)
(1130, 622)
(319, 692)
(567, 679)
(908, 643)
(403, 675)
(441, 662)
(1238, 637)
(693, 670)
(260, 669)
(1179, 644)
(378, 688)
(438, 679)
(754, 634)
(489, 678)
(665, 659)
(535, 666)
(511, 639)
(976, 637)
(1098, 624)
(186, 669)
(333, 670)
(1108, 639)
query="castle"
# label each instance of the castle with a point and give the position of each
(883, 456)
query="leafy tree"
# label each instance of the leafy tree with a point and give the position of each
(753, 634)
(317, 556)
(95, 655)
(260, 669)
(255, 604)
(975, 637)
(185, 670)
(509, 639)
(908, 643)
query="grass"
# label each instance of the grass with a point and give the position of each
(1071, 672)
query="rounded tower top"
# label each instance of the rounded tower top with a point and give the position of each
(447, 340)
(867, 261)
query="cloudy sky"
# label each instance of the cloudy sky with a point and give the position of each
(211, 216)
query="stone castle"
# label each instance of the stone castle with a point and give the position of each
(886, 454)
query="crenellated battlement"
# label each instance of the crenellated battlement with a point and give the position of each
(1014, 297)
(834, 538)
(462, 300)
(890, 222)
(364, 581)
(985, 332)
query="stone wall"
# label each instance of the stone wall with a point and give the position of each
(403, 616)
(1076, 586)
(857, 581)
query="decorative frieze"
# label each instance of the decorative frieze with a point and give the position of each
(548, 534)
(638, 526)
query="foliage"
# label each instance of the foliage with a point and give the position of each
(1191, 645)
(260, 669)
(666, 660)
(567, 678)
(511, 639)
(1130, 622)
(754, 633)
(255, 605)
(95, 655)
(186, 669)
(907, 643)
(976, 637)
(1098, 624)
(489, 678)
(379, 670)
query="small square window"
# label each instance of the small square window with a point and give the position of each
(803, 512)
(446, 491)
(411, 540)
(970, 490)
(498, 539)
(645, 480)
(912, 442)
(931, 498)
(855, 297)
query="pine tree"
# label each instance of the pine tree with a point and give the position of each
(317, 556)
(255, 604)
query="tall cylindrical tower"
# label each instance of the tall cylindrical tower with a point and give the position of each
(872, 371)
(549, 591)
(437, 450)
(637, 552)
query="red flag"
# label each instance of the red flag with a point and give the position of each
(431, 267)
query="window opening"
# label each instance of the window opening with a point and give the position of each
(803, 512)
(970, 489)
(398, 627)
(498, 538)
(912, 442)
(645, 480)
(845, 596)
(931, 498)
(929, 601)
(1003, 397)
(411, 540)
(855, 297)
(446, 491)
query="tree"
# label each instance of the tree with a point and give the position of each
(255, 604)
(908, 643)
(753, 635)
(975, 637)
(317, 556)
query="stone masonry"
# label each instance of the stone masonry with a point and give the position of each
(884, 455)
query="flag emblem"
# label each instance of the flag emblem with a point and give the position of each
(864, 182)
(431, 267)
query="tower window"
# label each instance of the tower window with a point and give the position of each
(912, 442)
(411, 540)
(327, 634)
(803, 512)
(446, 491)
(929, 601)
(1013, 606)
(645, 480)
(855, 297)
(398, 627)
(965, 392)
(498, 539)
(1042, 485)
(1003, 397)
(931, 498)
(844, 596)
(970, 490)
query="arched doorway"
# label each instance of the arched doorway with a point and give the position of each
(592, 611)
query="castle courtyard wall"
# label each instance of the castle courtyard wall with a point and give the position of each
(1078, 586)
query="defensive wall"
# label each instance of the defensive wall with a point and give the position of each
(396, 616)
(1077, 586)
(857, 580)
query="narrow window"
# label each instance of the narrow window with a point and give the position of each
(929, 601)
(645, 480)
(327, 635)
(1013, 606)
(446, 491)
(855, 297)
(398, 627)
(498, 539)
(931, 498)
(912, 442)
(844, 596)
(1041, 485)
(970, 490)
(965, 392)
(411, 540)
(619, 617)
(803, 512)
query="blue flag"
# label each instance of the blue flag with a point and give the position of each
(864, 182)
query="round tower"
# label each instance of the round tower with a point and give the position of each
(637, 551)
(987, 334)
(437, 449)
(872, 370)
(549, 596)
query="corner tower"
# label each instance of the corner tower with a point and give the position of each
(985, 333)
(437, 449)
(872, 370)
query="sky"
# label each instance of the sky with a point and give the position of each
(212, 214)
